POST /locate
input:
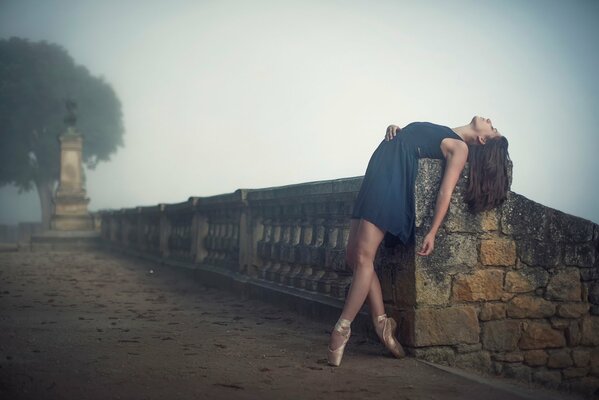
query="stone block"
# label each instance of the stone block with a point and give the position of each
(479, 361)
(468, 348)
(530, 307)
(438, 354)
(573, 334)
(550, 379)
(485, 284)
(559, 359)
(572, 310)
(517, 282)
(537, 253)
(535, 358)
(491, 311)
(565, 285)
(594, 293)
(580, 255)
(510, 357)
(588, 386)
(489, 220)
(445, 326)
(455, 249)
(500, 252)
(521, 217)
(460, 219)
(564, 227)
(502, 335)
(575, 372)
(581, 357)
(594, 360)
(432, 288)
(517, 371)
(590, 330)
(540, 335)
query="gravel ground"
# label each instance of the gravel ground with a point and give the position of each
(102, 326)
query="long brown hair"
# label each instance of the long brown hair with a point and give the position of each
(489, 180)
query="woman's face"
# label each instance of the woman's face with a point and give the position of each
(484, 128)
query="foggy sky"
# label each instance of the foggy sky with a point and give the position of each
(221, 95)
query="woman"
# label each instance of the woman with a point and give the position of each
(385, 206)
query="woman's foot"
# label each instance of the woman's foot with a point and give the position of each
(385, 328)
(339, 337)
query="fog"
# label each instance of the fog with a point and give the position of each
(221, 95)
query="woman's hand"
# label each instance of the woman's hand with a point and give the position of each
(428, 244)
(391, 132)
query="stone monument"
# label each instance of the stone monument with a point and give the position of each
(70, 203)
(71, 225)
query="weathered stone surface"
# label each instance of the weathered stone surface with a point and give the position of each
(540, 335)
(460, 219)
(530, 307)
(521, 217)
(517, 282)
(489, 220)
(457, 249)
(581, 255)
(502, 335)
(438, 354)
(491, 311)
(485, 284)
(426, 187)
(587, 386)
(559, 359)
(550, 379)
(511, 357)
(572, 310)
(538, 277)
(569, 228)
(575, 372)
(518, 371)
(498, 251)
(590, 330)
(565, 285)
(581, 357)
(595, 361)
(560, 323)
(536, 253)
(479, 360)
(468, 348)
(446, 326)
(433, 288)
(573, 333)
(594, 293)
(535, 358)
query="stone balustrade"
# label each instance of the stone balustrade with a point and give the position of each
(511, 291)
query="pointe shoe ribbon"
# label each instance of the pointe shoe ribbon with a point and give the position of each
(386, 332)
(343, 327)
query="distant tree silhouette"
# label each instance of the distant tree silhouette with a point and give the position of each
(36, 78)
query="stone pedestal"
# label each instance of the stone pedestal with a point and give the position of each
(71, 225)
(70, 202)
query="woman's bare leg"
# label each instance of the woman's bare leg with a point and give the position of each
(367, 240)
(375, 294)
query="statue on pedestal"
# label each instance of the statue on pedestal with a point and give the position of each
(70, 211)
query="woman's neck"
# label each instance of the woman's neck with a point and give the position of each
(467, 133)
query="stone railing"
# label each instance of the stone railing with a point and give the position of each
(511, 291)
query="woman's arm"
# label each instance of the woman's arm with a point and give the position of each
(456, 159)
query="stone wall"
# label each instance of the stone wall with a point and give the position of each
(512, 291)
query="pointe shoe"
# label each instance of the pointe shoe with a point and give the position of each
(343, 327)
(385, 328)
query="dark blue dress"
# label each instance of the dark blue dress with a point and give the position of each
(386, 197)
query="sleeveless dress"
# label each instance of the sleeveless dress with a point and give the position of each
(386, 197)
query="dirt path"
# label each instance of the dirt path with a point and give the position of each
(99, 326)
